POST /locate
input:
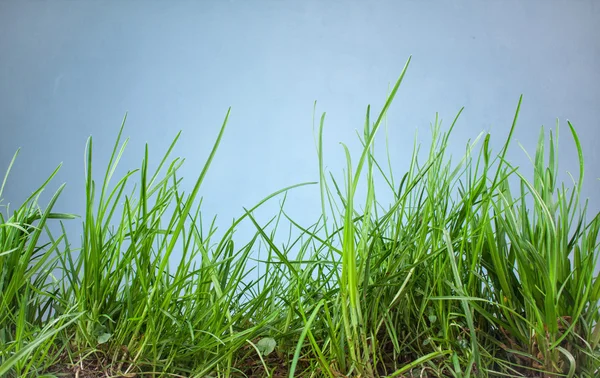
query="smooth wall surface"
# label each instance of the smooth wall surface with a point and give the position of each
(71, 69)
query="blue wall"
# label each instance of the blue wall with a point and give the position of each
(70, 69)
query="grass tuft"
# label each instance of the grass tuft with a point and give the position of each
(472, 270)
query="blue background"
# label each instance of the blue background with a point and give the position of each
(71, 69)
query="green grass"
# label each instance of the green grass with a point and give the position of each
(470, 271)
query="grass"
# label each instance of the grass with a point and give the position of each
(471, 271)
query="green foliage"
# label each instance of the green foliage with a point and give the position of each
(471, 271)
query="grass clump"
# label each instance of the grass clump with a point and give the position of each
(471, 271)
